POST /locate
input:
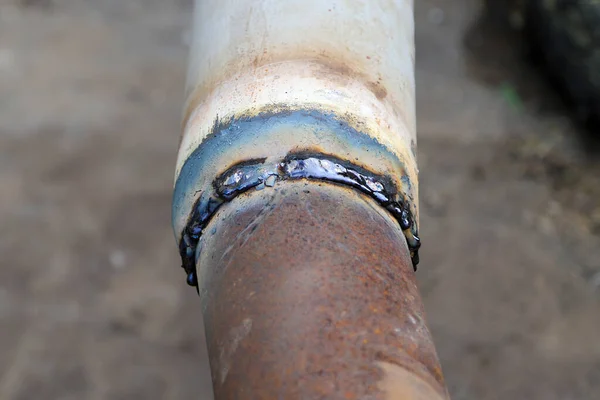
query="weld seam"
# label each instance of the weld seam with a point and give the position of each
(259, 174)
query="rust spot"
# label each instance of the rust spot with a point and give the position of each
(378, 90)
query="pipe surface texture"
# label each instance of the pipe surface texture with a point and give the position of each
(307, 291)
(282, 94)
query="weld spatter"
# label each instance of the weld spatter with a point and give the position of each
(192, 279)
(239, 179)
(247, 175)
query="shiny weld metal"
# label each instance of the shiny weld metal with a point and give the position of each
(259, 173)
(307, 292)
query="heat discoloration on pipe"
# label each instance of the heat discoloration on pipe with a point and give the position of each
(309, 85)
(325, 45)
(274, 133)
(271, 137)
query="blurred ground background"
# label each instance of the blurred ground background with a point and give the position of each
(93, 304)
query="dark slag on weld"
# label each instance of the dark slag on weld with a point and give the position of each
(252, 173)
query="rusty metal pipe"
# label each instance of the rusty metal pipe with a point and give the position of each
(308, 292)
(282, 94)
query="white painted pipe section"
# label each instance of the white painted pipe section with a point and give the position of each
(349, 57)
(350, 61)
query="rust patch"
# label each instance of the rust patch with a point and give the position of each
(322, 273)
(378, 90)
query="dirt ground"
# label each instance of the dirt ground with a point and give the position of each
(93, 304)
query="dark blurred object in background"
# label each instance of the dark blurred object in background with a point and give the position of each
(563, 39)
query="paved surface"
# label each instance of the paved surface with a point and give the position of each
(92, 302)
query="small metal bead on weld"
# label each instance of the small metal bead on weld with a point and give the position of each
(416, 243)
(192, 279)
(405, 222)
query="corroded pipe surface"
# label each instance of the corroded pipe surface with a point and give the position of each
(308, 292)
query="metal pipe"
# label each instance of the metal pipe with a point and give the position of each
(283, 94)
(269, 78)
(308, 291)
